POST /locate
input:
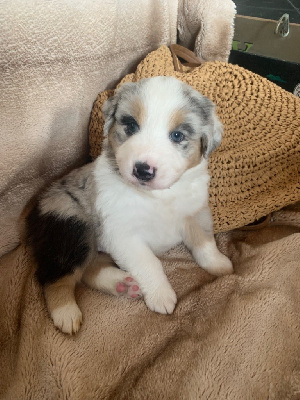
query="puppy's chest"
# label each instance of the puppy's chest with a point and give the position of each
(179, 202)
(157, 217)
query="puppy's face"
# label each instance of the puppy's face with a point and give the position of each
(158, 128)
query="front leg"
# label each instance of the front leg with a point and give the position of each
(134, 256)
(199, 239)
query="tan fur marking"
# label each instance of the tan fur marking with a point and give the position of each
(62, 291)
(138, 111)
(196, 156)
(177, 117)
(91, 273)
(61, 303)
(194, 235)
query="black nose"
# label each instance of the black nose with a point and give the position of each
(143, 171)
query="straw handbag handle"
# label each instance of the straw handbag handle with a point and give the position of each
(185, 54)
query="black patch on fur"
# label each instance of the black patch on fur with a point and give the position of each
(127, 119)
(60, 245)
(131, 126)
(204, 145)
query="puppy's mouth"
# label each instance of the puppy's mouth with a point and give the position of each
(149, 183)
(147, 176)
(145, 183)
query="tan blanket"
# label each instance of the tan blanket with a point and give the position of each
(235, 337)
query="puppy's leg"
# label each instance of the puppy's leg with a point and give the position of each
(103, 274)
(134, 256)
(199, 239)
(61, 303)
(62, 247)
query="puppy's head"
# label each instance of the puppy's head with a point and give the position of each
(158, 128)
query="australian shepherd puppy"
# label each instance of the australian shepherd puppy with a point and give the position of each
(145, 193)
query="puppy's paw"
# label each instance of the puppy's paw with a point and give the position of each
(161, 300)
(67, 318)
(214, 261)
(128, 287)
(117, 282)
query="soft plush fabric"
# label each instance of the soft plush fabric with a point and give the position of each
(234, 337)
(56, 57)
(206, 29)
(256, 170)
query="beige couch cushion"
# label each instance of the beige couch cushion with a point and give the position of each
(55, 58)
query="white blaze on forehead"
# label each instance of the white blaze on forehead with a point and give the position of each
(161, 96)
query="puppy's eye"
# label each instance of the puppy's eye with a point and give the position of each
(131, 126)
(176, 136)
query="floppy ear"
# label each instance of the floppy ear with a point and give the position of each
(109, 108)
(212, 134)
(211, 127)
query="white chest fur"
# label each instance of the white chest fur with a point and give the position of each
(156, 217)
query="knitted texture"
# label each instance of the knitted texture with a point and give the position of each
(256, 169)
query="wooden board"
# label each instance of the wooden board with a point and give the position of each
(257, 36)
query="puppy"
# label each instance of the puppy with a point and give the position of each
(146, 192)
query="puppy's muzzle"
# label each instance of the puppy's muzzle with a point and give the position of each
(143, 172)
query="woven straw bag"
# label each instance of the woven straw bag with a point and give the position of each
(255, 171)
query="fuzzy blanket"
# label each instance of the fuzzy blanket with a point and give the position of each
(234, 337)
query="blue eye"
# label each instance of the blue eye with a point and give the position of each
(176, 136)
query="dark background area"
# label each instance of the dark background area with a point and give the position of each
(283, 73)
(269, 9)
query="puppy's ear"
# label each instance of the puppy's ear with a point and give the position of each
(212, 134)
(211, 127)
(109, 108)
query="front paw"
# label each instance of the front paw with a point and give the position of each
(162, 299)
(213, 261)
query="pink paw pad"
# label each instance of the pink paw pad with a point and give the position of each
(129, 288)
(121, 287)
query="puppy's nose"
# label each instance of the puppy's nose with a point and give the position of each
(143, 171)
